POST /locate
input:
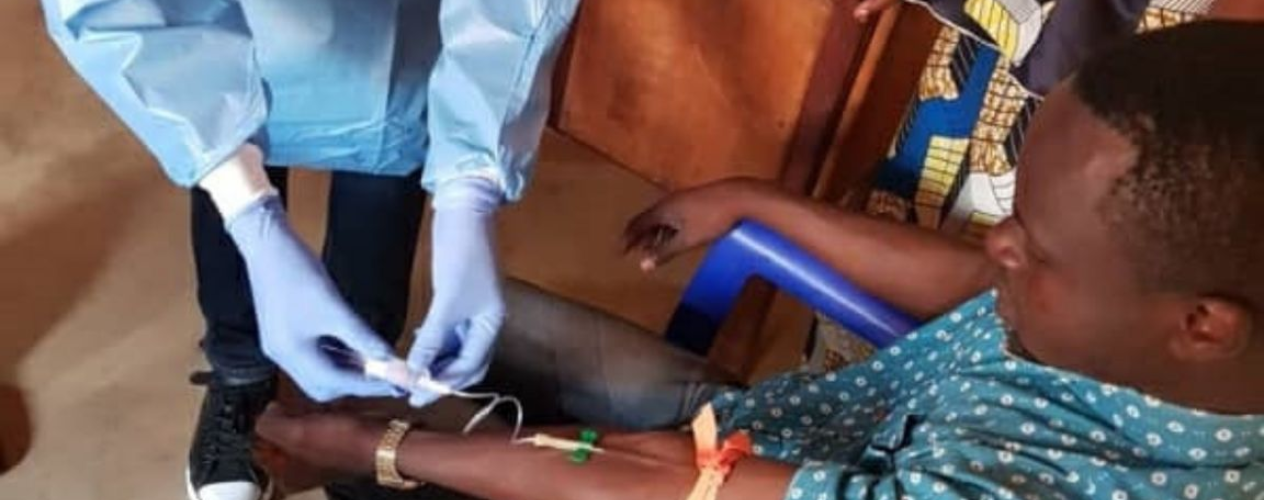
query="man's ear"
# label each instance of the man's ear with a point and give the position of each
(1214, 328)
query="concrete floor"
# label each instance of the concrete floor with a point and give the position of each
(98, 325)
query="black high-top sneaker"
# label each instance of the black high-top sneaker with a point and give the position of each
(221, 465)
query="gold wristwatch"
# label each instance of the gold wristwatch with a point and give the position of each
(385, 459)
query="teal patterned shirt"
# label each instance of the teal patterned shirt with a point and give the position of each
(950, 413)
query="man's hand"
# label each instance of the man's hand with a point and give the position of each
(343, 442)
(892, 261)
(454, 343)
(869, 8)
(340, 443)
(487, 465)
(691, 218)
(316, 448)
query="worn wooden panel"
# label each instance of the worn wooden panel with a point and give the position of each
(875, 73)
(882, 93)
(828, 94)
(686, 91)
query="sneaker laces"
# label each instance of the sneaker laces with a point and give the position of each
(231, 426)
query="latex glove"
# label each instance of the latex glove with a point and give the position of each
(297, 303)
(454, 343)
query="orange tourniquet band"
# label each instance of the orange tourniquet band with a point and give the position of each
(715, 460)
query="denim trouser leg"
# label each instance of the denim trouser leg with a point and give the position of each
(231, 337)
(370, 243)
(569, 363)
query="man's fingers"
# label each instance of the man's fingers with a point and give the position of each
(637, 231)
(634, 242)
(275, 426)
(671, 245)
(868, 8)
(647, 225)
(650, 239)
(657, 245)
(641, 220)
(667, 248)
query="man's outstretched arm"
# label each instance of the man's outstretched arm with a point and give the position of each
(487, 465)
(634, 466)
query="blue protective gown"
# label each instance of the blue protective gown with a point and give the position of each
(375, 86)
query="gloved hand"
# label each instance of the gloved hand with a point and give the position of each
(454, 343)
(297, 303)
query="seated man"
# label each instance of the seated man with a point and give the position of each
(1112, 349)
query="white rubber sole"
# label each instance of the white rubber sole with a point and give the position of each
(193, 495)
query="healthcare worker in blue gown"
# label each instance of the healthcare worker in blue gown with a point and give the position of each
(393, 96)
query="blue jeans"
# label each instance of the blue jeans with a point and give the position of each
(570, 363)
(370, 240)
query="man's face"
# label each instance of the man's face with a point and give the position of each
(1067, 289)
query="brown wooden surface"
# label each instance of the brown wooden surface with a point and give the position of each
(762, 316)
(686, 91)
(882, 93)
(1249, 10)
(841, 54)
(873, 100)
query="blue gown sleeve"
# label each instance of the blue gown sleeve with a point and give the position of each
(489, 92)
(180, 74)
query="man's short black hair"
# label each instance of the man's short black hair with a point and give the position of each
(1191, 100)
